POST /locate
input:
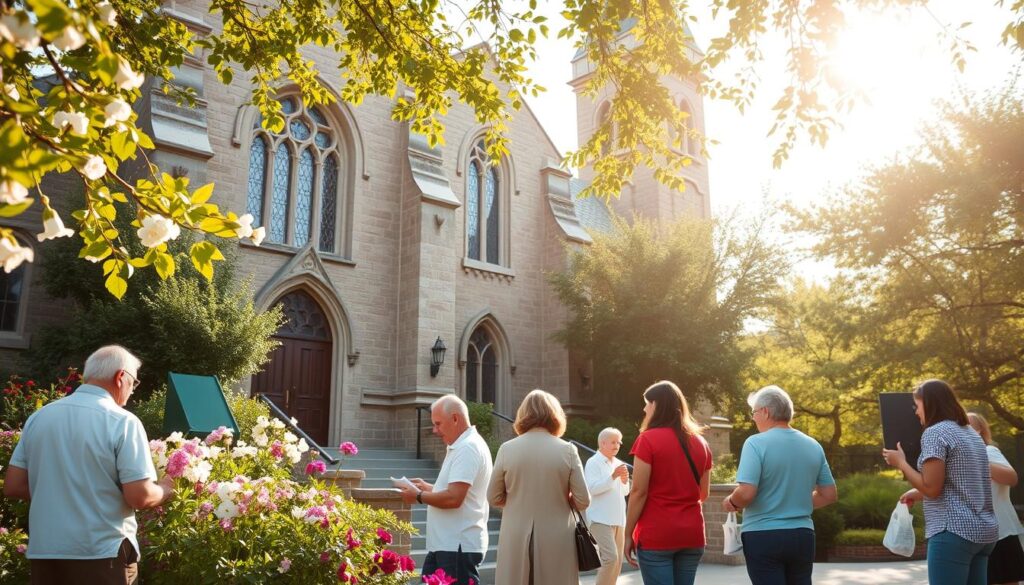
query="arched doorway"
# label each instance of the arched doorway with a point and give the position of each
(298, 377)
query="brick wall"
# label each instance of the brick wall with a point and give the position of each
(714, 517)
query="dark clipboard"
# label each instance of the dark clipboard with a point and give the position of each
(900, 424)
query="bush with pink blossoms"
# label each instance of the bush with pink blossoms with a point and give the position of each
(240, 517)
(13, 513)
(13, 564)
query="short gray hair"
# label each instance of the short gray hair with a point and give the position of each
(607, 433)
(775, 399)
(107, 361)
(450, 404)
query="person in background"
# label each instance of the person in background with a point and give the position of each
(535, 477)
(671, 477)
(952, 478)
(782, 477)
(1006, 563)
(608, 482)
(84, 464)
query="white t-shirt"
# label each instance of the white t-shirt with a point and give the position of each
(607, 494)
(468, 461)
(1005, 514)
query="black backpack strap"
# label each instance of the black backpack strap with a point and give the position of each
(689, 459)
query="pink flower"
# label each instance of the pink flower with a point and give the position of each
(387, 560)
(438, 578)
(177, 463)
(343, 575)
(21, 548)
(325, 557)
(191, 447)
(227, 525)
(277, 450)
(349, 448)
(408, 565)
(284, 566)
(216, 435)
(205, 508)
(315, 466)
(352, 542)
(384, 536)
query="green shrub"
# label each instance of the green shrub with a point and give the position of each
(586, 432)
(860, 537)
(724, 470)
(480, 416)
(828, 524)
(151, 412)
(866, 500)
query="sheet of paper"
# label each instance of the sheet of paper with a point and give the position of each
(403, 482)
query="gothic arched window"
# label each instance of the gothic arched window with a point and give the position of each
(294, 178)
(688, 143)
(481, 368)
(485, 195)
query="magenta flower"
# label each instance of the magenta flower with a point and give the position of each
(348, 448)
(277, 450)
(408, 565)
(315, 466)
(384, 536)
(21, 548)
(177, 463)
(387, 560)
(325, 557)
(227, 525)
(351, 541)
(439, 577)
(343, 575)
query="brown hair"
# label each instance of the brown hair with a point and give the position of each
(940, 403)
(670, 410)
(540, 409)
(979, 424)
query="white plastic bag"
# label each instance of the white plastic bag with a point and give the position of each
(733, 542)
(899, 536)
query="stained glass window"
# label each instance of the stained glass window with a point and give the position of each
(491, 205)
(473, 210)
(305, 176)
(483, 208)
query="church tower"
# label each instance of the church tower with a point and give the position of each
(644, 195)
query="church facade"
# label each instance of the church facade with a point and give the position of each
(381, 248)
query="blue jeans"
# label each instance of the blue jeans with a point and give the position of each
(669, 567)
(957, 561)
(779, 557)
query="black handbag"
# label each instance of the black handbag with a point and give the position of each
(587, 557)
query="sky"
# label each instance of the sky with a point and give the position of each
(897, 58)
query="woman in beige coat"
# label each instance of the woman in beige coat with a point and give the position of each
(534, 476)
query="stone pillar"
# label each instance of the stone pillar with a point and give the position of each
(714, 517)
(345, 479)
(389, 499)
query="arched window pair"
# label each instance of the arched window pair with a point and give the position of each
(295, 177)
(486, 197)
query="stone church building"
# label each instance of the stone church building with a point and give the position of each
(379, 246)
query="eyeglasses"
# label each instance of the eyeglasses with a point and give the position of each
(755, 411)
(135, 381)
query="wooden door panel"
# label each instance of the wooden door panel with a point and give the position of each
(298, 380)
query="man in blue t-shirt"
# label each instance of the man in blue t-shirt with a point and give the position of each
(84, 463)
(783, 476)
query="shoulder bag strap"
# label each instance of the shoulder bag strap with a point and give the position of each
(689, 459)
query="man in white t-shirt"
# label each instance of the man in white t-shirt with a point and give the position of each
(457, 506)
(608, 482)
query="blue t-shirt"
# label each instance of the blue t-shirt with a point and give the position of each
(785, 465)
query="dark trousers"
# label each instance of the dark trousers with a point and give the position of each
(779, 557)
(120, 570)
(462, 566)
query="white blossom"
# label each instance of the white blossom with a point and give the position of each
(12, 192)
(107, 13)
(21, 32)
(12, 255)
(226, 509)
(258, 234)
(244, 229)
(94, 168)
(198, 472)
(125, 77)
(69, 40)
(116, 111)
(157, 229)
(176, 437)
(78, 121)
(53, 227)
(298, 513)
(11, 91)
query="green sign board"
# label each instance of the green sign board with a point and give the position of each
(196, 406)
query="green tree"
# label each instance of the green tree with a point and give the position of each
(97, 56)
(648, 304)
(936, 240)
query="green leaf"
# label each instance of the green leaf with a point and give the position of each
(164, 265)
(117, 285)
(202, 194)
(8, 210)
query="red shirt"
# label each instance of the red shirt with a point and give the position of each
(672, 516)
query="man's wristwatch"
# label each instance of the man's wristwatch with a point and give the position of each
(419, 496)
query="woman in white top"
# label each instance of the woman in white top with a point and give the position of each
(1006, 565)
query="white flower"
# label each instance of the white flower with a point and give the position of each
(258, 234)
(107, 13)
(12, 255)
(12, 192)
(69, 40)
(298, 513)
(260, 439)
(53, 227)
(243, 451)
(11, 91)
(198, 472)
(19, 31)
(289, 437)
(176, 437)
(78, 121)
(125, 77)
(244, 229)
(117, 111)
(94, 168)
(303, 446)
(157, 229)
(226, 509)
(226, 489)
(276, 424)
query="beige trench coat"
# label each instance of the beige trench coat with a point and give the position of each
(533, 475)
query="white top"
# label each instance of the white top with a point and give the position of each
(468, 461)
(1009, 525)
(607, 494)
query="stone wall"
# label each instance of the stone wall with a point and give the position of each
(388, 499)
(714, 517)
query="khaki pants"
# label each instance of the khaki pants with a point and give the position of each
(610, 540)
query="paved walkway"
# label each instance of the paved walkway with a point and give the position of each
(900, 572)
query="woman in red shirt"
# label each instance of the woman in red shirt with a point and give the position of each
(664, 522)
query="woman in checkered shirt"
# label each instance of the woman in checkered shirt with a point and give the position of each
(952, 478)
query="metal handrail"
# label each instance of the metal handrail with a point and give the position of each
(578, 444)
(287, 420)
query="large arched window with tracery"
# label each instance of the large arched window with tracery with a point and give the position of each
(295, 178)
(485, 196)
(481, 368)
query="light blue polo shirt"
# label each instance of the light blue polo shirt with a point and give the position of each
(78, 451)
(785, 465)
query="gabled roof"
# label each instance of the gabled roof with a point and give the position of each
(592, 211)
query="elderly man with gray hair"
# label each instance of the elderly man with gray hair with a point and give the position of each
(783, 476)
(457, 507)
(84, 463)
(608, 481)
